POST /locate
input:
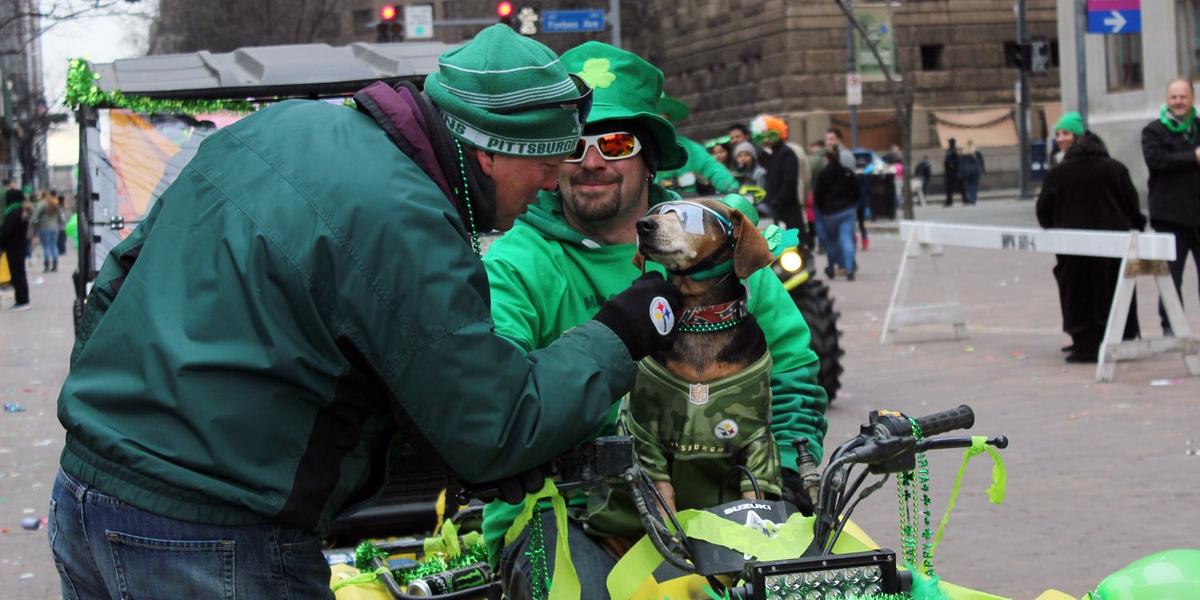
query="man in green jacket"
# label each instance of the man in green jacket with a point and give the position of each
(304, 296)
(700, 163)
(571, 252)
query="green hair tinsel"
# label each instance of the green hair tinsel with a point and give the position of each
(366, 552)
(83, 91)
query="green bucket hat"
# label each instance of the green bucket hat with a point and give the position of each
(626, 87)
(506, 93)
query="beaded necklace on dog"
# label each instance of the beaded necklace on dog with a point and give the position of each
(713, 317)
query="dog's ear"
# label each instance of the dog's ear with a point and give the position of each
(750, 251)
(639, 260)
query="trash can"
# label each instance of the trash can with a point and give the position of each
(881, 195)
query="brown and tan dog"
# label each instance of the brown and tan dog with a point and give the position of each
(677, 422)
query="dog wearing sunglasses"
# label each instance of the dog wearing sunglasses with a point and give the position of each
(700, 413)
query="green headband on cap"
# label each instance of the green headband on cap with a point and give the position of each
(506, 93)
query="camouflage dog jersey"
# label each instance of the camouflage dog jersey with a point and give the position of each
(693, 435)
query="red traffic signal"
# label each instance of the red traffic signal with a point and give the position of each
(504, 10)
(387, 12)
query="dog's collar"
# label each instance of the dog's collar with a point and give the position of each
(713, 317)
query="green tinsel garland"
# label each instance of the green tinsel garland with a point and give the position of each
(430, 565)
(83, 91)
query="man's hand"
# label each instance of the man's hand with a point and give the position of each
(514, 489)
(644, 315)
(1197, 154)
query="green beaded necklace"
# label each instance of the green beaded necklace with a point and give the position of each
(466, 196)
(710, 327)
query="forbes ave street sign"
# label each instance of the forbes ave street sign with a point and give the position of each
(1114, 16)
(571, 21)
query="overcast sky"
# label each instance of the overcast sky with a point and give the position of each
(98, 39)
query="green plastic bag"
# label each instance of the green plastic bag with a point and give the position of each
(1169, 575)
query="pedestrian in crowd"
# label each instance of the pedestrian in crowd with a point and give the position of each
(62, 231)
(922, 175)
(835, 141)
(739, 133)
(783, 171)
(702, 174)
(46, 223)
(1088, 190)
(971, 169)
(816, 162)
(836, 196)
(304, 298)
(893, 155)
(575, 245)
(722, 152)
(1171, 148)
(14, 234)
(950, 170)
(746, 169)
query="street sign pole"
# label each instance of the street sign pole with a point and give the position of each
(851, 69)
(614, 15)
(1081, 20)
(1023, 110)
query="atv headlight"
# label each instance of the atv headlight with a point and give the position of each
(791, 261)
(847, 576)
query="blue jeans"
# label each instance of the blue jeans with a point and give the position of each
(839, 236)
(104, 548)
(819, 229)
(49, 238)
(971, 188)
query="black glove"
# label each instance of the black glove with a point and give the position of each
(793, 491)
(644, 316)
(513, 489)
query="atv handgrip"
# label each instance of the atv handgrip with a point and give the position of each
(947, 420)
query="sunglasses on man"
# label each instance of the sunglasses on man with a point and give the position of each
(615, 145)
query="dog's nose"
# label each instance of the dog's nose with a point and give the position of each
(646, 225)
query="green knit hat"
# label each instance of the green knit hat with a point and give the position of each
(1071, 121)
(506, 93)
(626, 87)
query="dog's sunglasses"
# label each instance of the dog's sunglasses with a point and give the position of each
(691, 216)
(616, 145)
(582, 105)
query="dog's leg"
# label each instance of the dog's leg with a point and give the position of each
(668, 493)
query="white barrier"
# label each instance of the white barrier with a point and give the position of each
(1142, 254)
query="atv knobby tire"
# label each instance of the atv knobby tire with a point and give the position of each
(812, 298)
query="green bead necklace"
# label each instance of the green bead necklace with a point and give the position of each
(710, 327)
(466, 196)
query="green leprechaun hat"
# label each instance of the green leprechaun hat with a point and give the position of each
(626, 87)
(506, 93)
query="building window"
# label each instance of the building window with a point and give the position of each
(1187, 25)
(1123, 58)
(931, 57)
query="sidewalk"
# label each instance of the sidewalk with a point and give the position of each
(35, 347)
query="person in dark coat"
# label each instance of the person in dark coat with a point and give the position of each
(1088, 190)
(950, 167)
(1171, 148)
(13, 239)
(783, 171)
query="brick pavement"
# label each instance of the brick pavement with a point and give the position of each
(1099, 474)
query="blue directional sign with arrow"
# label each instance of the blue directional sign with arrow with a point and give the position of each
(1114, 16)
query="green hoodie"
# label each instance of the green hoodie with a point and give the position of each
(547, 278)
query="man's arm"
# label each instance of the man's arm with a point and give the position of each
(1161, 160)
(798, 403)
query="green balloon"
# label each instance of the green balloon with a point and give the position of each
(1169, 575)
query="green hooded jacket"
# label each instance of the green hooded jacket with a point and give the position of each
(547, 278)
(302, 297)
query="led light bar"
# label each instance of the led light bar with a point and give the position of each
(842, 577)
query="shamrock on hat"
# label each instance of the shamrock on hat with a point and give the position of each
(626, 88)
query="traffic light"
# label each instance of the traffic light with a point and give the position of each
(504, 10)
(389, 29)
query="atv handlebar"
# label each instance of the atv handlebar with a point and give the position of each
(946, 421)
